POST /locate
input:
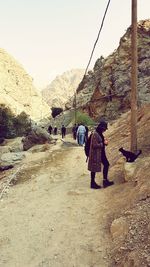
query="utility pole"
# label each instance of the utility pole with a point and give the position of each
(75, 108)
(134, 77)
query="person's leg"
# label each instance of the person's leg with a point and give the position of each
(94, 185)
(82, 139)
(79, 139)
(105, 168)
(74, 136)
(106, 164)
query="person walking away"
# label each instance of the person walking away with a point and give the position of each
(97, 155)
(55, 130)
(86, 133)
(63, 131)
(81, 134)
(74, 131)
(50, 128)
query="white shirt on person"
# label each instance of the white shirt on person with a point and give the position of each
(81, 129)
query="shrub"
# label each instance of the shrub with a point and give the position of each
(11, 125)
(6, 120)
(22, 124)
(84, 118)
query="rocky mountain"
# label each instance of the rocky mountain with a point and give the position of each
(17, 90)
(106, 90)
(62, 88)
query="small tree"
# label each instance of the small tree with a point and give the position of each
(11, 125)
(22, 124)
(6, 121)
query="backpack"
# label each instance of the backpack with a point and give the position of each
(87, 146)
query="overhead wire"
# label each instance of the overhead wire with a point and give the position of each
(102, 23)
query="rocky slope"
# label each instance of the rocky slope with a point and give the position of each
(129, 218)
(62, 88)
(106, 89)
(17, 90)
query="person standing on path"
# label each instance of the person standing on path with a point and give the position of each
(97, 155)
(63, 131)
(55, 130)
(86, 133)
(50, 128)
(74, 131)
(81, 134)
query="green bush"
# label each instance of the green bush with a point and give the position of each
(84, 118)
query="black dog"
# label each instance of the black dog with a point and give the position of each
(130, 156)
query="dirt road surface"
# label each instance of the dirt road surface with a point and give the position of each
(51, 217)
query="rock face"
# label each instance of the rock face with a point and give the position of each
(17, 90)
(62, 88)
(106, 90)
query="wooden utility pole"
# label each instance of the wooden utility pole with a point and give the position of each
(134, 77)
(75, 108)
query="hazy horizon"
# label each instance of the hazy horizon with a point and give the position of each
(49, 38)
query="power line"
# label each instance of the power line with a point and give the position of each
(75, 102)
(97, 37)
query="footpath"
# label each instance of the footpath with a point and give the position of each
(51, 217)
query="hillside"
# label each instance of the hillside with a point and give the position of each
(17, 90)
(106, 90)
(62, 88)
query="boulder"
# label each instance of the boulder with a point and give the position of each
(37, 135)
(129, 171)
(11, 158)
(119, 229)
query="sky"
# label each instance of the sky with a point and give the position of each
(49, 37)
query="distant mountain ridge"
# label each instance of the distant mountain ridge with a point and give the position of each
(62, 88)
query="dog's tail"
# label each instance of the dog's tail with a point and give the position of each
(138, 153)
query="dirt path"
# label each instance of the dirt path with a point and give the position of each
(51, 218)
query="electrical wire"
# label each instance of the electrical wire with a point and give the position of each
(97, 37)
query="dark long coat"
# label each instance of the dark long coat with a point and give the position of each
(94, 161)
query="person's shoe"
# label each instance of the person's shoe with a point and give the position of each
(95, 186)
(107, 183)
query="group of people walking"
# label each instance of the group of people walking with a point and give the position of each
(54, 130)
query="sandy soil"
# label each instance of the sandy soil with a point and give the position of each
(51, 217)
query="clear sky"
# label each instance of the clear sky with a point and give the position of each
(49, 37)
